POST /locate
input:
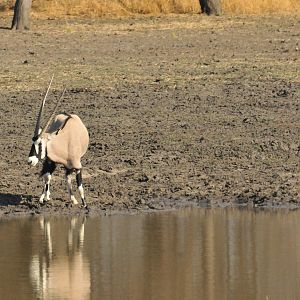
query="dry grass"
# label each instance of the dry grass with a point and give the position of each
(96, 8)
(261, 6)
(117, 7)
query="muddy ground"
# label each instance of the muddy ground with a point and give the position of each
(181, 110)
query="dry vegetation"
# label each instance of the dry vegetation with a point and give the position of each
(261, 7)
(128, 7)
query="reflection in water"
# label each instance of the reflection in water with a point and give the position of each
(188, 254)
(59, 270)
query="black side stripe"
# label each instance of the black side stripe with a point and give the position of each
(63, 126)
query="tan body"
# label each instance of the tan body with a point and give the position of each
(67, 141)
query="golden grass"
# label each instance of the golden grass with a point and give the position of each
(116, 7)
(97, 8)
(261, 6)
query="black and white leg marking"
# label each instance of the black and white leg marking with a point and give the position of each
(69, 185)
(80, 187)
(48, 168)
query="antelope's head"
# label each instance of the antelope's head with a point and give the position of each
(38, 148)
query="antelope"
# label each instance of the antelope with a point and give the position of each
(63, 140)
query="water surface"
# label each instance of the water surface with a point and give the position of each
(187, 254)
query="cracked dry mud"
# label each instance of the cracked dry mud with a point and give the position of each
(181, 110)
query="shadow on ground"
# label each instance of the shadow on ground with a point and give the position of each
(7, 199)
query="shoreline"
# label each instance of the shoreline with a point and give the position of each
(49, 210)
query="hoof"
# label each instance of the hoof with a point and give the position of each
(74, 201)
(85, 206)
(42, 199)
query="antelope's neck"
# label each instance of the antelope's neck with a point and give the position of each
(45, 139)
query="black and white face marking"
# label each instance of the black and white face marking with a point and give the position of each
(33, 158)
(37, 151)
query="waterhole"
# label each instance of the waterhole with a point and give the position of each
(185, 254)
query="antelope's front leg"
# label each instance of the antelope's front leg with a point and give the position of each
(69, 185)
(48, 169)
(46, 192)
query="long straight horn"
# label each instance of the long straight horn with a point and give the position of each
(38, 122)
(54, 112)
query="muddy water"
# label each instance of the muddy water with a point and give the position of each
(187, 254)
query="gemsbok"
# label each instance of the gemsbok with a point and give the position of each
(63, 140)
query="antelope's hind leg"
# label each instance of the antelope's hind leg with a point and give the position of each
(69, 185)
(80, 187)
(48, 168)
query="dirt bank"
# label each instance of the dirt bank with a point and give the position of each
(181, 109)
